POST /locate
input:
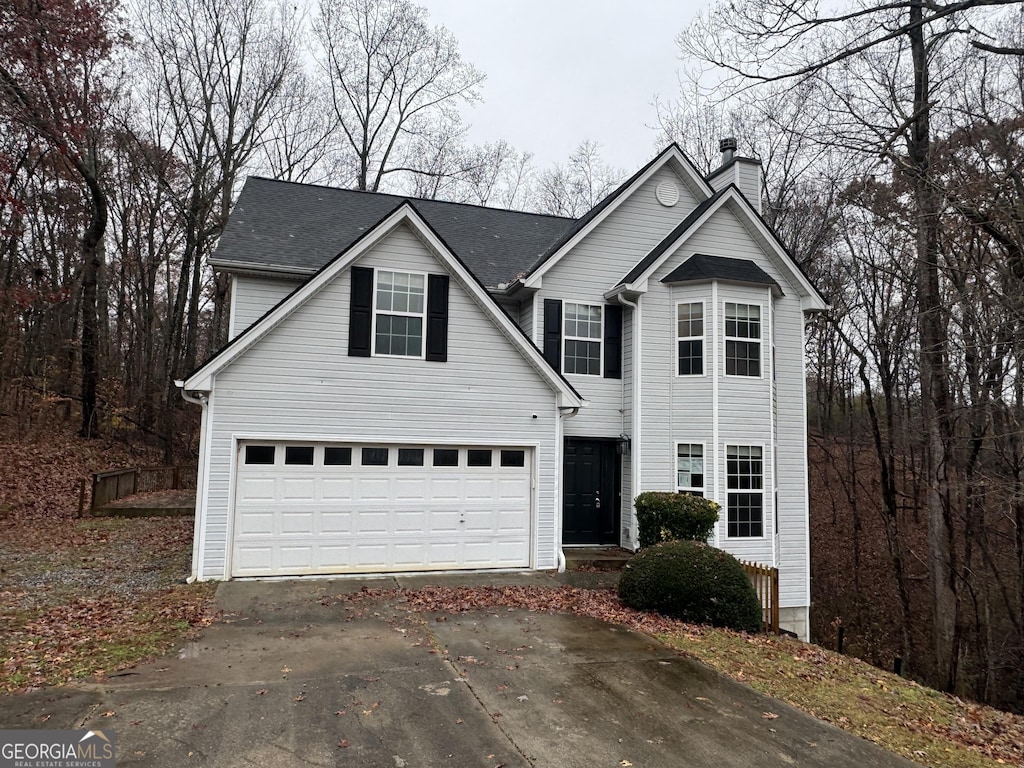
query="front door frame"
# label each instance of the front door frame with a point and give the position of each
(582, 525)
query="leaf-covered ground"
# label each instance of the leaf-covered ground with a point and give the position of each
(928, 727)
(80, 598)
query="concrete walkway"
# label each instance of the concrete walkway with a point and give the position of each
(291, 676)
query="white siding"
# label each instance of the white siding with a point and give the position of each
(252, 297)
(745, 406)
(746, 175)
(525, 318)
(595, 266)
(299, 382)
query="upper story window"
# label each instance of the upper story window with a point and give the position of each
(690, 332)
(744, 470)
(399, 313)
(690, 468)
(742, 339)
(582, 339)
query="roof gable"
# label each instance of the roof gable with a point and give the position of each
(405, 214)
(763, 235)
(582, 227)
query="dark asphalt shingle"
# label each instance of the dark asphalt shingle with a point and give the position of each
(299, 228)
(701, 267)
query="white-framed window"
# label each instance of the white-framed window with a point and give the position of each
(690, 339)
(744, 472)
(690, 468)
(742, 339)
(399, 313)
(582, 331)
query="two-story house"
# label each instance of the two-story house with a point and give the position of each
(415, 385)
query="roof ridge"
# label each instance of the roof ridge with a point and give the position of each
(411, 198)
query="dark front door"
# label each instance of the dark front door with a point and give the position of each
(590, 508)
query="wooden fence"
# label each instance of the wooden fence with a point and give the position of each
(117, 483)
(766, 584)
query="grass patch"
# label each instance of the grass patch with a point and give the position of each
(919, 723)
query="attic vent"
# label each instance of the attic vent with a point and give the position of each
(667, 193)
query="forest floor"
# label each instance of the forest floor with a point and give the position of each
(85, 597)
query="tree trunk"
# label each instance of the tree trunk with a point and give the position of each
(935, 409)
(92, 259)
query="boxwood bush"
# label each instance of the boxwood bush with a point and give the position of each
(667, 516)
(692, 581)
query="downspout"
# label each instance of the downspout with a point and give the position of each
(202, 400)
(634, 456)
(559, 442)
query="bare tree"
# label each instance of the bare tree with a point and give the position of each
(876, 64)
(576, 187)
(212, 77)
(51, 64)
(392, 79)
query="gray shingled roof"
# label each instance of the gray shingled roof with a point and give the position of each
(298, 228)
(701, 267)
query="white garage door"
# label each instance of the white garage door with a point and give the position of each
(315, 508)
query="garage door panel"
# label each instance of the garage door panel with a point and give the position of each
(334, 557)
(411, 489)
(368, 555)
(295, 556)
(410, 521)
(297, 488)
(328, 519)
(372, 523)
(297, 523)
(254, 559)
(336, 523)
(256, 523)
(444, 489)
(337, 488)
(373, 489)
(257, 488)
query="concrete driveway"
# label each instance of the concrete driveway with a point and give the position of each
(290, 677)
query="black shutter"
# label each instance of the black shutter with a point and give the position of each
(553, 333)
(360, 315)
(613, 341)
(437, 318)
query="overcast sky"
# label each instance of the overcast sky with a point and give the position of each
(563, 71)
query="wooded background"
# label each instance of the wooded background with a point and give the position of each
(891, 141)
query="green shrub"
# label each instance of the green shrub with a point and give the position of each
(667, 516)
(692, 581)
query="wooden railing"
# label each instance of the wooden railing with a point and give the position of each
(117, 483)
(766, 584)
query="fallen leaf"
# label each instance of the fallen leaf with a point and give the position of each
(261, 691)
(344, 743)
(769, 716)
